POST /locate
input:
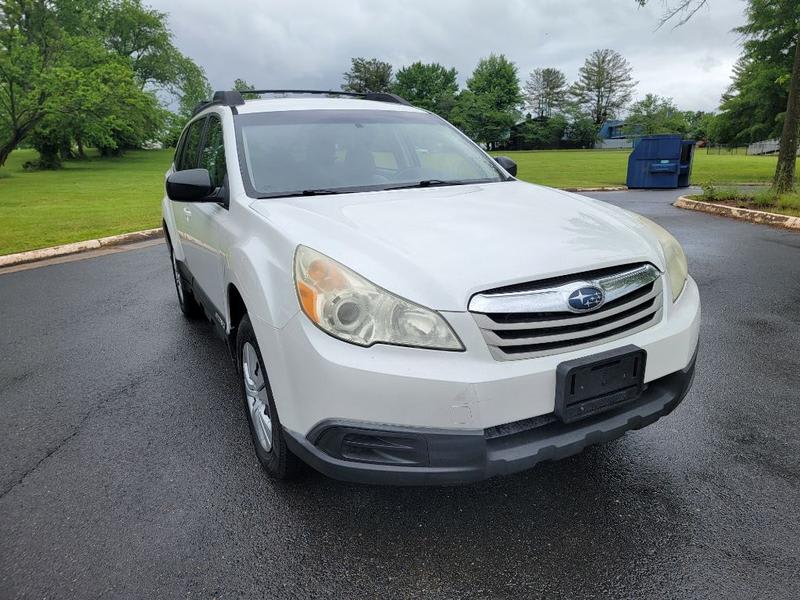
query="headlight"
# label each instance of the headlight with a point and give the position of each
(347, 306)
(677, 268)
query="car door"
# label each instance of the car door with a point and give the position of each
(182, 212)
(210, 221)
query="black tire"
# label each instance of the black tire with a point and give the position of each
(190, 307)
(278, 461)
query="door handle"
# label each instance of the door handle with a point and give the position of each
(188, 213)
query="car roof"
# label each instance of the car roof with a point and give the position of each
(319, 103)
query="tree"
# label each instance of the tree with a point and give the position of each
(140, 34)
(368, 75)
(581, 129)
(429, 86)
(98, 102)
(489, 107)
(772, 39)
(655, 114)
(240, 85)
(787, 162)
(604, 85)
(772, 34)
(680, 11)
(30, 48)
(539, 133)
(54, 52)
(194, 89)
(700, 124)
(751, 109)
(545, 91)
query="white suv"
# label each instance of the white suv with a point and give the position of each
(401, 309)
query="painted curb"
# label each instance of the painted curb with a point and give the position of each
(743, 214)
(44, 253)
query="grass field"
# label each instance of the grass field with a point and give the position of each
(604, 168)
(100, 197)
(84, 200)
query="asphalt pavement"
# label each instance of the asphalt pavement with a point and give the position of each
(126, 467)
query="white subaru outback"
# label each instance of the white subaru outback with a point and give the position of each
(403, 310)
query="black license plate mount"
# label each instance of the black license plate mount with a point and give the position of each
(594, 384)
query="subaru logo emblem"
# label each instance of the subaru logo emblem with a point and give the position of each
(586, 298)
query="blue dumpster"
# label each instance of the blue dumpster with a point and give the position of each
(660, 161)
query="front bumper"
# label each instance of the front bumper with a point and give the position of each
(316, 378)
(461, 456)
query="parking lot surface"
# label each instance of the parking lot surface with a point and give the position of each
(127, 470)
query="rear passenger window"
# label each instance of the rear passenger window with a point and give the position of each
(188, 157)
(212, 157)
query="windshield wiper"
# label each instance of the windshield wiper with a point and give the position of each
(435, 183)
(319, 192)
(345, 190)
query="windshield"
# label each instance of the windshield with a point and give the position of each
(335, 151)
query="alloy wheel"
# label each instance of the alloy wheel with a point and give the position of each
(255, 389)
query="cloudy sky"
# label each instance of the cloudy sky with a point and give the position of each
(305, 44)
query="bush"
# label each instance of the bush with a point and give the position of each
(765, 198)
(709, 192)
(789, 201)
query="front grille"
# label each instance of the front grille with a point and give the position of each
(531, 320)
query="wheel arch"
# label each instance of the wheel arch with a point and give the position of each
(237, 309)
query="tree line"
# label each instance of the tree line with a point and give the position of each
(493, 101)
(104, 73)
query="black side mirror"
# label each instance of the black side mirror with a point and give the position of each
(508, 164)
(191, 185)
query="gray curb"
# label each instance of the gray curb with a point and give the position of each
(45, 253)
(744, 214)
(621, 188)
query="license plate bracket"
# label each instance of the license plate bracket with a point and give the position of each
(594, 384)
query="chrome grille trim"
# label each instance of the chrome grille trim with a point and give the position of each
(486, 322)
(554, 299)
(530, 323)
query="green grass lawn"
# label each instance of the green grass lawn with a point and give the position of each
(100, 197)
(84, 200)
(606, 168)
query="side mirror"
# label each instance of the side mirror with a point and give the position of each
(191, 185)
(508, 164)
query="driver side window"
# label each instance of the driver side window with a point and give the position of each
(212, 155)
(191, 143)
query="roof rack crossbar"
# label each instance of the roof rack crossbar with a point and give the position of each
(234, 98)
(376, 96)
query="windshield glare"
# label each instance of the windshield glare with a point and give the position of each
(291, 152)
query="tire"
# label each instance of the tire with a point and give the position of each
(273, 454)
(190, 308)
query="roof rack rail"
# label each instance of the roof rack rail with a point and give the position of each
(234, 98)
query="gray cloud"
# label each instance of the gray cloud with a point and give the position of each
(308, 44)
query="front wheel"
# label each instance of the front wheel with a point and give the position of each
(265, 427)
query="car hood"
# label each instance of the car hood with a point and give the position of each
(440, 245)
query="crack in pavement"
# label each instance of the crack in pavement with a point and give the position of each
(122, 391)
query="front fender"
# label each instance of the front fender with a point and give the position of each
(263, 275)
